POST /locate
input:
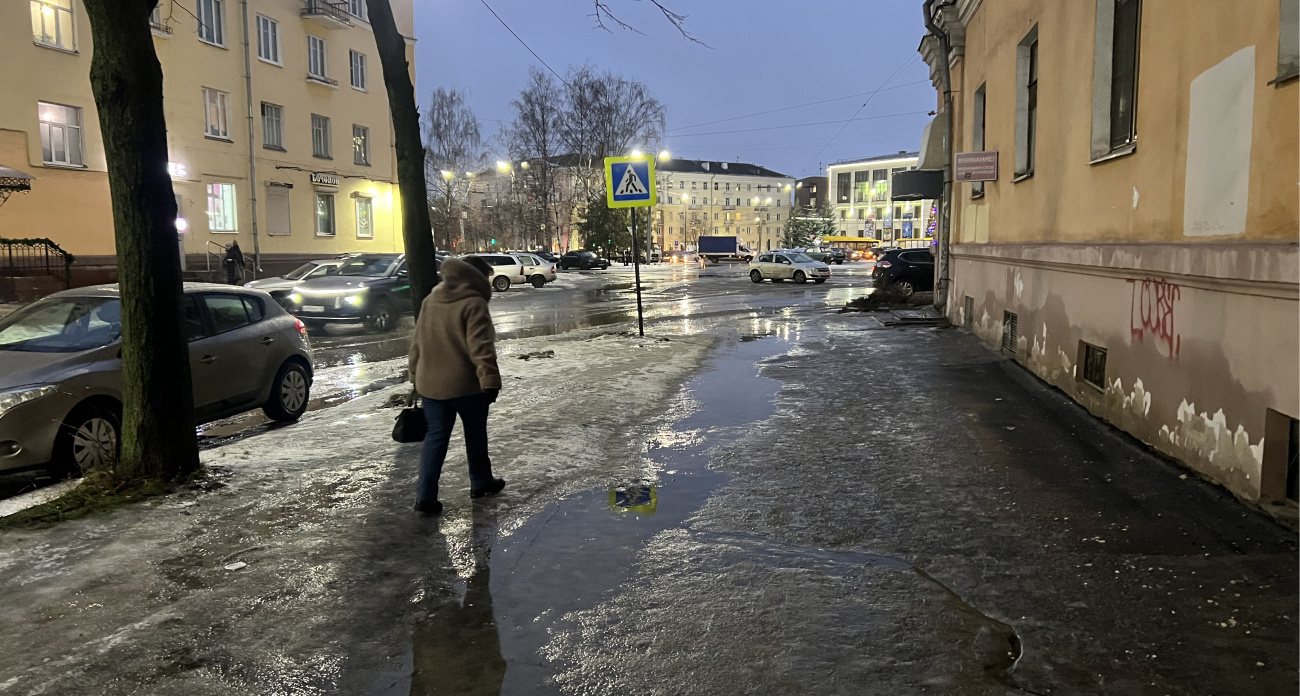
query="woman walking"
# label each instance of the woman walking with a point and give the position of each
(453, 366)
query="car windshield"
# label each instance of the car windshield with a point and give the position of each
(799, 258)
(365, 267)
(63, 325)
(299, 272)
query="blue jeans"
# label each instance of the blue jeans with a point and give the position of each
(441, 414)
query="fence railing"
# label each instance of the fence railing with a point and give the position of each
(216, 273)
(26, 258)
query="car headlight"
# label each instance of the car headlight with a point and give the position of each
(353, 299)
(11, 399)
(296, 298)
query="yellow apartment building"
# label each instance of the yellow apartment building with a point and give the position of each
(277, 119)
(1138, 248)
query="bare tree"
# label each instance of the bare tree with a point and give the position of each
(535, 137)
(157, 416)
(417, 237)
(453, 147)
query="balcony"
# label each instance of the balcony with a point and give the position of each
(322, 80)
(331, 15)
(728, 207)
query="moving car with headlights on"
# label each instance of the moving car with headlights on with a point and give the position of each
(61, 370)
(367, 288)
(281, 287)
(583, 260)
(779, 266)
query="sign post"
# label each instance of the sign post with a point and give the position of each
(630, 183)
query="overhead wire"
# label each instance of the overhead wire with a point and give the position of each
(524, 43)
(889, 79)
(802, 125)
(798, 106)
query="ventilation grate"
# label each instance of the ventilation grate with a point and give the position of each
(1009, 332)
(1094, 365)
(968, 312)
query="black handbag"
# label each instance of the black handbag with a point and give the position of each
(410, 425)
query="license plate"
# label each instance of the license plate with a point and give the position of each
(313, 308)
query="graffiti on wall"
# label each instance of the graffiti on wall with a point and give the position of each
(1151, 313)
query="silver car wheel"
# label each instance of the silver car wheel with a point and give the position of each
(94, 445)
(293, 391)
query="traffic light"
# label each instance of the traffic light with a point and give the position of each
(494, 241)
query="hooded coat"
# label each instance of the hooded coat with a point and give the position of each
(453, 348)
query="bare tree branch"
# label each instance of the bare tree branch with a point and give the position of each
(603, 14)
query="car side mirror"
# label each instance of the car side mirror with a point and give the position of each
(402, 273)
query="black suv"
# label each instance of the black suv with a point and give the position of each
(907, 270)
(369, 288)
(582, 259)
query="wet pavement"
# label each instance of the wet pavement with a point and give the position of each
(762, 496)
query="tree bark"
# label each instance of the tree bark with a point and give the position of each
(417, 231)
(158, 438)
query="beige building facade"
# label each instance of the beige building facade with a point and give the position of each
(701, 197)
(1138, 249)
(302, 169)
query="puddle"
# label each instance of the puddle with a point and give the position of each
(571, 555)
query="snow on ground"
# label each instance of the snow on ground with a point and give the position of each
(141, 599)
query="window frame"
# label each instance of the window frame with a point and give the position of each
(979, 131)
(278, 130)
(217, 23)
(71, 9)
(1026, 108)
(364, 139)
(317, 58)
(1288, 42)
(223, 114)
(1100, 145)
(274, 36)
(369, 203)
(227, 197)
(46, 130)
(332, 217)
(355, 59)
(327, 132)
(365, 12)
(1116, 96)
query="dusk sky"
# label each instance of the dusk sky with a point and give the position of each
(763, 55)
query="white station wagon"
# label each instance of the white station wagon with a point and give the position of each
(779, 266)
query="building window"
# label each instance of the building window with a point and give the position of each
(360, 144)
(977, 138)
(880, 185)
(268, 39)
(52, 24)
(1026, 102)
(357, 8)
(316, 63)
(1115, 77)
(861, 186)
(325, 215)
(216, 113)
(221, 208)
(320, 136)
(365, 218)
(843, 187)
(358, 71)
(60, 134)
(1288, 40)
(272, 126)
(211, 16)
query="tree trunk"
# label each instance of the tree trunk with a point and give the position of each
(158, 438)
(417, 232)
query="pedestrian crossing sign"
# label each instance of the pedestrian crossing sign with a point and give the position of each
(630, 182)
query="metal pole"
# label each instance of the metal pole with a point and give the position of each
(252, 158)
(636, 269)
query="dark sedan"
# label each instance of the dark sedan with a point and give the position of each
(369, 288)
(582, 259)
(905, 270)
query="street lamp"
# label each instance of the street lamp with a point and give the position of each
(636, 153)
(665, 156)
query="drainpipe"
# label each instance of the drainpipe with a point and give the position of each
(944, 227)
(252, 161)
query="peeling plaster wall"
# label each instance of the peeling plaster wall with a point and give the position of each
(1191, 369)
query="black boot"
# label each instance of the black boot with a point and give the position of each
(429, 509)
(490, 489)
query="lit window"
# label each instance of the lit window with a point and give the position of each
(360, 144)
(272, 126)
(268, 39)
(365, 218)
(216, 113)
(60, 134)
(320, 136)
(316, 62)
(221, 208)
(325, 214)
(211, 16)
(358, 64)
(52, 24)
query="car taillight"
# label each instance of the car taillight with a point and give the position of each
(297, 324)
(552, 269)
(883, 264)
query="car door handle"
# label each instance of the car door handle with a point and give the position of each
(267, 340)
(208, 359)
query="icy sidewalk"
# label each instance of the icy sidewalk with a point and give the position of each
(139, 601)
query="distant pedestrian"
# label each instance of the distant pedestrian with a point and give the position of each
(453, 366)
(234, 261)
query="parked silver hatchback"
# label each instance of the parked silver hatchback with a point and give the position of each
(61, 379)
